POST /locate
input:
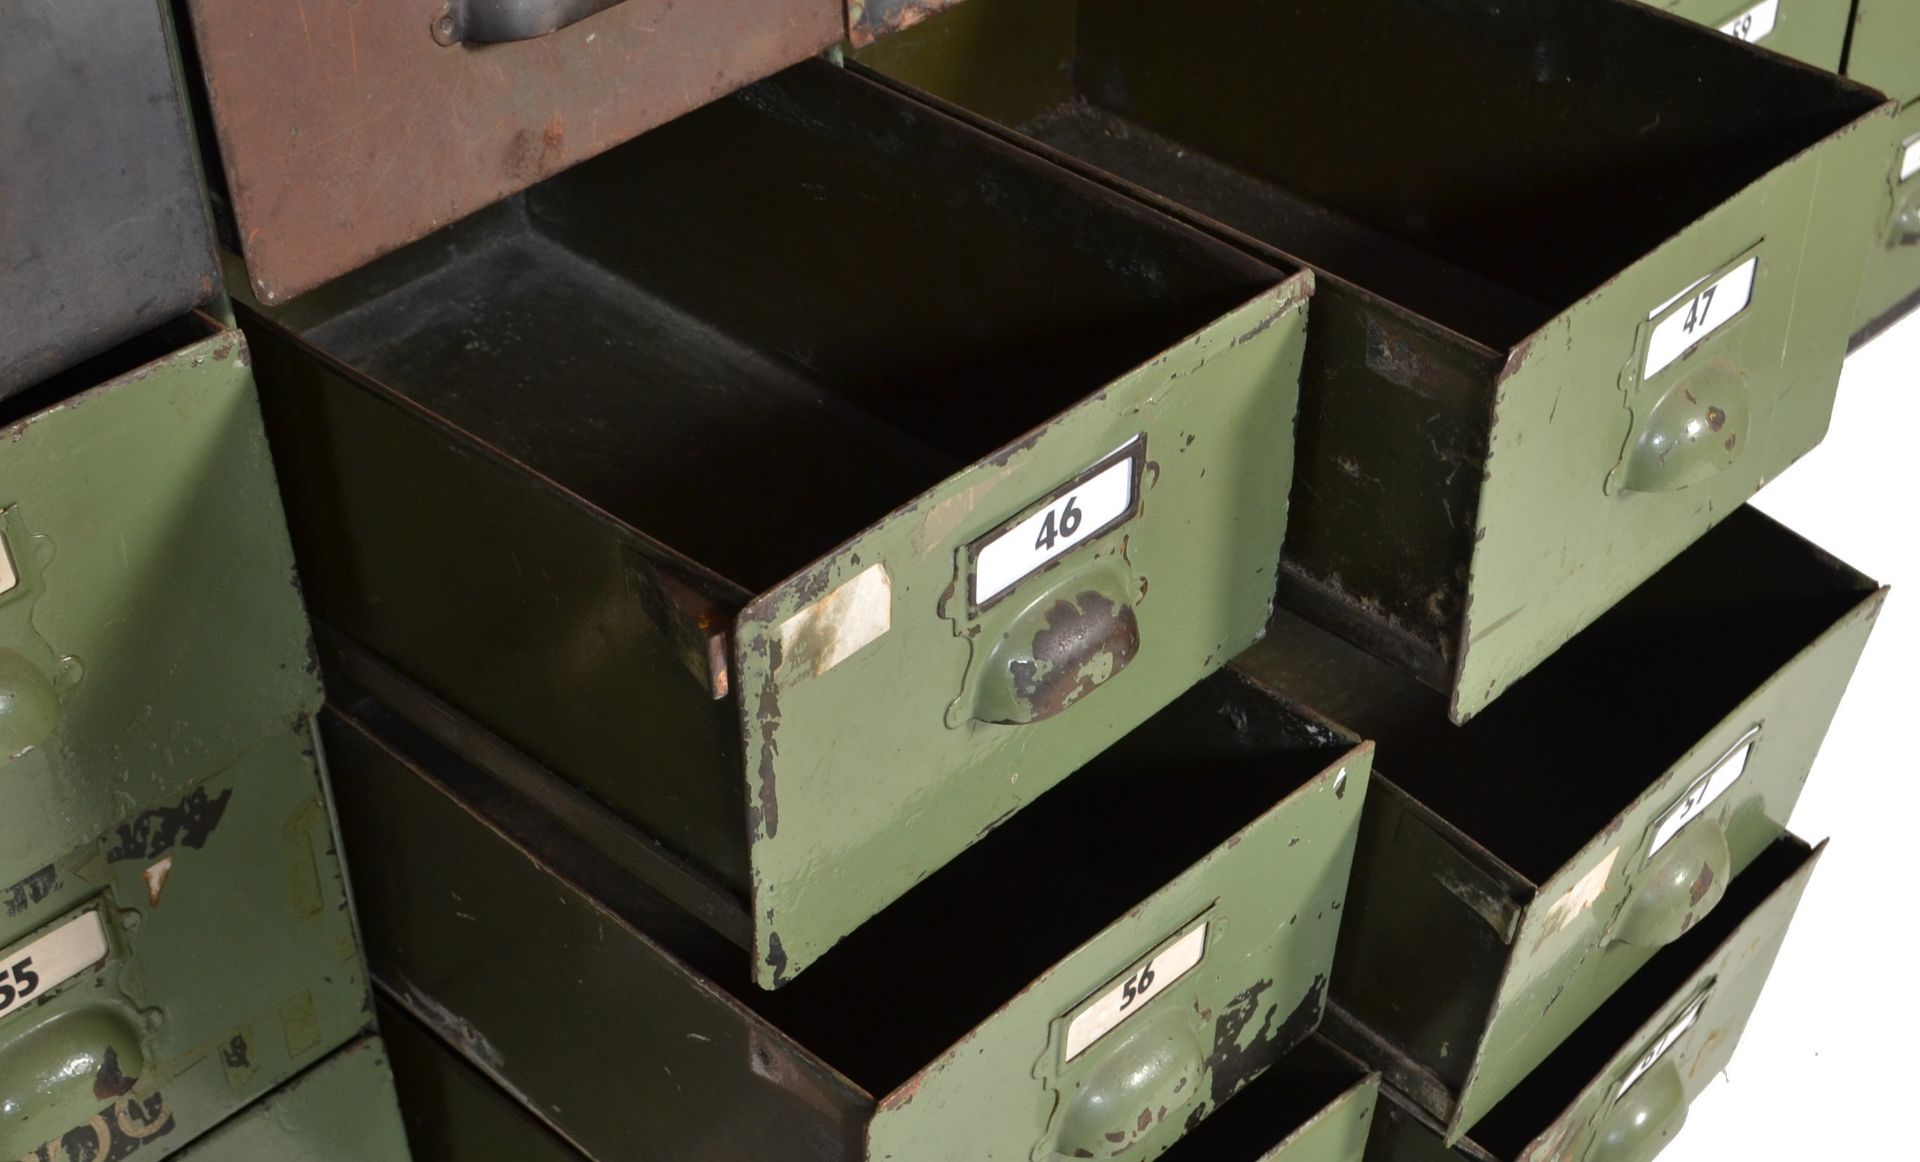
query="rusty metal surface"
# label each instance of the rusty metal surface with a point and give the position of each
(869, 20)
(103, 232)
(346, 131)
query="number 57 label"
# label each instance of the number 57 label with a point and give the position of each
(49, 962)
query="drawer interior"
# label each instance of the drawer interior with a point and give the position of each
(1539, 773)
(121, 359)
(758, 329)
(1486, 165)
(1272, 1107)
(1548, 1091)
(940, 960)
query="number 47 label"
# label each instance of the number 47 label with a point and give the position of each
(1702, 310)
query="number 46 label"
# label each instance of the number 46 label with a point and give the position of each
(1099, 500)
(52, 960)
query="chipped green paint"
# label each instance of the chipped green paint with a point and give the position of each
(220, 981)
(1814, 31)
(341, 1110)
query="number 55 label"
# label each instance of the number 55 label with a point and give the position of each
(1097, 501)
(49, 962)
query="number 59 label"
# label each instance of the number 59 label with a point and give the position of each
(49, 962)
(1098, 501)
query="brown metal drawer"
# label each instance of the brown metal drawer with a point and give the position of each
(1089, 980)
(103, 226)
(1516, 872)
(1618, 1089)
(348, 129)
(810, 509)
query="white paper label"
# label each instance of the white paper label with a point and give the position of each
(51, 961)
(1705, 312)
(1077, 513)
(1755, 24)
(1662, 1047)
(1132, 994)
(839, 625)
(1910, 160)
(9, 576)
(1704, 793)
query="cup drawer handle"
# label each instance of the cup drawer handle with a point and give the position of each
(1644, 1119)
(499, 21)
(1684, 883)
(1067, 643)
(1696, 429)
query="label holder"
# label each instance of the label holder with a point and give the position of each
(1134, 450)
(1107, 1009)
(1666, 341)
(1706, 789)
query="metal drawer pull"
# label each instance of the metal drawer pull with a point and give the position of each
(498, 21)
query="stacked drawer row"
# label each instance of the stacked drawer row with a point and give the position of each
(1001, 595)
(177, 952)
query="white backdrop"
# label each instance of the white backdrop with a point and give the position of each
(1824, 1071)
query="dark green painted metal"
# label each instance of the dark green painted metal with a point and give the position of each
(105, 228)
(1582, 1104)
(341, 1110)
(1314, 1105)
(1468, 494)
(1506, 884)
(1244, 816)
(232, 965)
(1814, 31)
(749, 445)
(453, 1113)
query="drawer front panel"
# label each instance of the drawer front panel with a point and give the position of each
(1891, 286)
(106, 226)
(352, 130)
(149, 623)
(190, 959)
(1814, 31)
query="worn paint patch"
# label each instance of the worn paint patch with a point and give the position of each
(30, 890)
(837, 626)
(188, 823)
(122, 1127)
(156, 878)
(1582, 896)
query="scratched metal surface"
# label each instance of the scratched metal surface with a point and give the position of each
(345, 130)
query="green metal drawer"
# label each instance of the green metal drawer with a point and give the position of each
(345, 130)
(811, 532)
(1057, 991)
(177, 965)
(453, 1113)
(1814, 31)
(1884, 51)
(1567, 317)
(341, 1110)
(1618, 1090)
(150, 629)
(1515, 873)
(1891, 287)
(103, 226)
(1316, 1104)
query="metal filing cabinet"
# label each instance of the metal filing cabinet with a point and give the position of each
(1057, 991)
(1814, 31)
(1516, 872)
(1885, 52)
(173, 924)
(1555, 338)
(346, 130)
(815, 510)
(1618, 1090)
(341, 1110)
(103, 228)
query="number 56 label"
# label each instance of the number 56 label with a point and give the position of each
(1098, 501)
(1131, 995)
(49, 962)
